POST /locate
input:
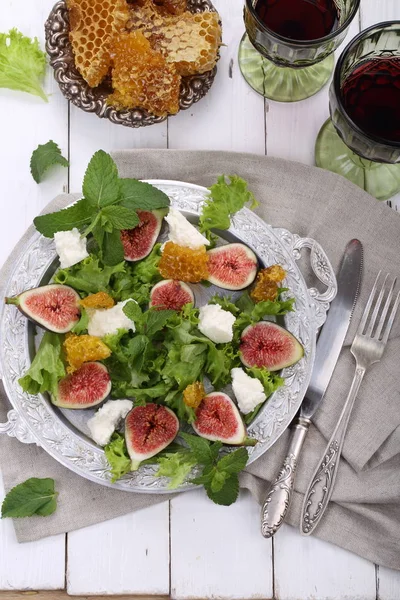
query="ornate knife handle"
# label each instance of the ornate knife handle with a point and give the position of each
(322, 483)
(277, 502)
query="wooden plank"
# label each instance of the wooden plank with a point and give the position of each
(217, 551)
(128, 555)
(388, 584)
(34, 565)
(62, 595)
(307, 568)
(231, 116)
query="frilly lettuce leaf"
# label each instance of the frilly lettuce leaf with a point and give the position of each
(118, 457)
(47, 367)
(90, 275)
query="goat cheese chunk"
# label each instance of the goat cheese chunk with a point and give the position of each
(249, 391)
(70, 247)
(216, 323)
(109, 320)
(182, 232)
(106, 419)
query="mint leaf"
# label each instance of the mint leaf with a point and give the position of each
(112, 250)
(200, 448)
(121, 217)
(77, 215)
(140, 195)
(44, 157)
(33, 497)
(228, 494)
(101, 183)
(133, 311)
(233, 462)
(156, 320)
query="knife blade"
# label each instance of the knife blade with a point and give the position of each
(329, 345)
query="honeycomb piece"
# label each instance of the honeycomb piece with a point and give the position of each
(93, 24)
(190, 41)
(141, 77)
(83, 348)
(185, 264)
(194, 394)
(99, 300)
(275, 273)
(173, 7)
(264, 288)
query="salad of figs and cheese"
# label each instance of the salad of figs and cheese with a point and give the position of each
(124, 333)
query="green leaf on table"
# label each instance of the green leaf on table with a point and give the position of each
(225, 200)
(77, 215)
(46, 368)
(227, 494)
(22, 63)
(44, 157)
(120, 217)
(101, 183)
(112, 250)
(33, 497)
(140, 195)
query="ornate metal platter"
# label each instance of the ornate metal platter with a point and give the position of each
(64, 434)
(77, 90)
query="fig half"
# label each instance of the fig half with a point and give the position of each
(170, 294)
(139, 241)
(232, 267)
(84, 388)
(218, 419)
(54, 307)
(270, 346)
(148, 430)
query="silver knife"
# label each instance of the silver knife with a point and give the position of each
(329, 345)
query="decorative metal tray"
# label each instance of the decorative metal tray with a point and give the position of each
(64, 434)
(89, 99)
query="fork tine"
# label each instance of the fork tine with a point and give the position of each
(368, 306)
(377, 308)
(385, 310)
(391, 319)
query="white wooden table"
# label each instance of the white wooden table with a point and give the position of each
(188, 548)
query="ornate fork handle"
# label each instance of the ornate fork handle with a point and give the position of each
(277, 502)
(322, 483)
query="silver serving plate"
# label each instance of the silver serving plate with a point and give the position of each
(78, 91)
(64, 434)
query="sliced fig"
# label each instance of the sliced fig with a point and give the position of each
(232, 267)
(218, 419)
(84, 388)
(54, 307)
(148, 430)
(170, 294)
(268, 345)
(139, 241)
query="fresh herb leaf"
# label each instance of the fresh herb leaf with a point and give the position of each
(140, 195)
(234, 462)
(226, 303)
(112, 250)
(83, 323)
(227, 494)
(272, 308)
(22, 63)
(47, 367)
(120, 217)
(101, 183)
(225, 200)
(177, 466)
(270, 381)
(117, 456)
(200, 448)
(90, 275)
(44, 157)
(77, 215)
(33, 497)
(133, 311)
(156, 320)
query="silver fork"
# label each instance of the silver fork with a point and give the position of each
(367, 348)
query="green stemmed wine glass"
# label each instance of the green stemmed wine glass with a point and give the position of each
(361, 141)
(286, 53)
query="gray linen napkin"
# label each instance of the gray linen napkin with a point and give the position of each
(364, 515)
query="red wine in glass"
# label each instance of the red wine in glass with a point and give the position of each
(371, 97)
(303, 20)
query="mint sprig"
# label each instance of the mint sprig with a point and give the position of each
(32, 497)
(45, 156)
(109, 205)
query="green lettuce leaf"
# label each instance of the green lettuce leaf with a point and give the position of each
(89, 276)
(47, 367)
(118, 457)
(224, 201)
(177, 466)
(22, 63)
(138, 279)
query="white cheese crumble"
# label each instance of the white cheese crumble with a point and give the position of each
(70, 247)
(106, 419)
(249, 391)
(109, 320)
(182, 232)
(216, 323)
